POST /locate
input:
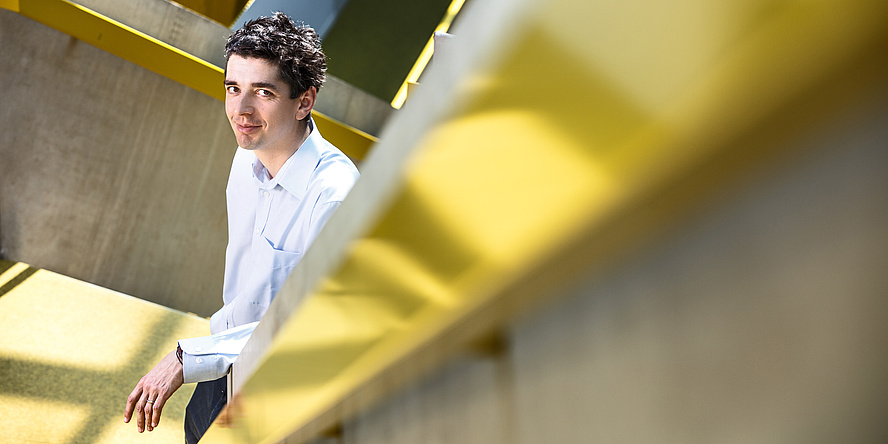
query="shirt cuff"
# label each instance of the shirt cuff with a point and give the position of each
(200, 368)
(208, 358)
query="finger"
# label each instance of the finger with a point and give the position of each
(140, 412)
(149, 412)
(131, 402)
(158, 408)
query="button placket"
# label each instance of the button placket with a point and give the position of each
(263, 209)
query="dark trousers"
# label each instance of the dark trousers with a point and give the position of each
(207, 401)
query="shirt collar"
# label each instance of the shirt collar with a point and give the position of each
(296, 171)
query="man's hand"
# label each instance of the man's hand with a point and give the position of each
(152, 392)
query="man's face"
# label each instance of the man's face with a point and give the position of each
(259, 107)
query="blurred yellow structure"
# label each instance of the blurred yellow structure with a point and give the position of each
(560, 137)
(71, 352)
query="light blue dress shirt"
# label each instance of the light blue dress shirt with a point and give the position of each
(271, 223)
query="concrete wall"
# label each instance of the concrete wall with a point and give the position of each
(762, 320)
(108, 172)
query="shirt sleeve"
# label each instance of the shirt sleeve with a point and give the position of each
(208, 358)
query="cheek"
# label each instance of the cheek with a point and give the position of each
(229, 107)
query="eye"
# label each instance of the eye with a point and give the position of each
(263, 93)
(231, 89)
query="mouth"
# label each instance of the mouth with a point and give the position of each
(247, 128)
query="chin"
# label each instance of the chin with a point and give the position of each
(247, 144)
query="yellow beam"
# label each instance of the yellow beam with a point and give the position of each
(164, 59)
(533, 170)
(426, 55)
(12, 5)
(127, 43)
(352, 141)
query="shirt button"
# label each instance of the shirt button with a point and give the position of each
(198, 360)
(265, 193)
(257, 231)
(197, 348)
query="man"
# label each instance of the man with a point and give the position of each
(285, 183)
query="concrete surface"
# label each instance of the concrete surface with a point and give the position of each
(71, 353)
(110, 173)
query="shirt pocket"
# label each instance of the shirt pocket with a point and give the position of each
(279, 259)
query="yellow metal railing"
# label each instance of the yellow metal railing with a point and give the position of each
(579, 133)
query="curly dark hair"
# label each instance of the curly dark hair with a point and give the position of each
(295, 49)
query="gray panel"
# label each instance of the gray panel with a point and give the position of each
(111, 173)
(761, 322)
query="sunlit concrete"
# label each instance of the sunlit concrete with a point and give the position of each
(71, 352)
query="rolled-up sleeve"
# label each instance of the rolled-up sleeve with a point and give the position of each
(210, 357)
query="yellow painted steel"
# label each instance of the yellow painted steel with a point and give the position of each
(162, 58)
(12, 5)
(71, 352)
(586, 115)
(426, 55)
(352, 141)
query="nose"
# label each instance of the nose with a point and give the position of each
(243, 105)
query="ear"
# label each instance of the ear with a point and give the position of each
(306, 103)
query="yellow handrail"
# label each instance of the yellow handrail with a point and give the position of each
(539, 155)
